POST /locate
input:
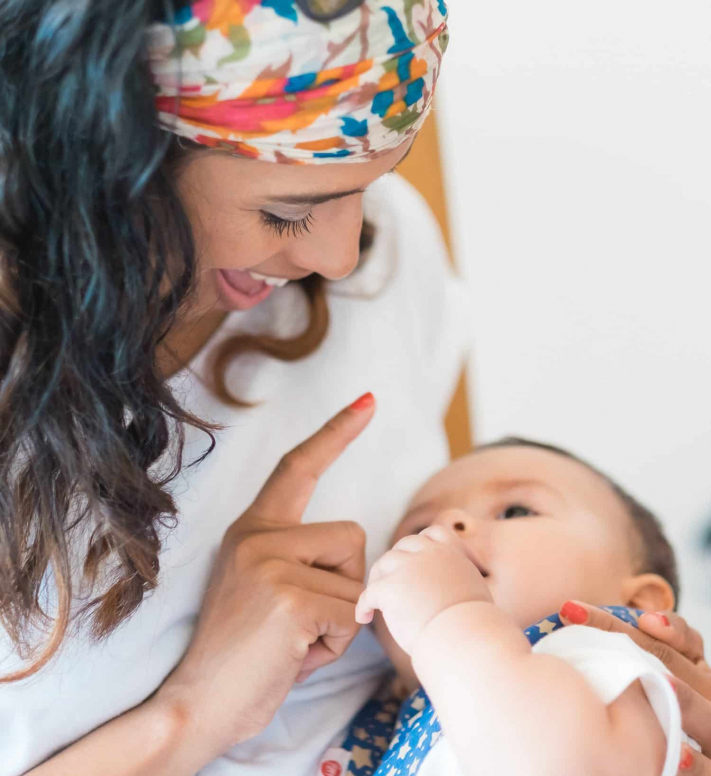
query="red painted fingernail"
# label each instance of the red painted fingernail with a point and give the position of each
(670, 679)
(365, 401)
(661, 617)
(574, 613)
(687, 759)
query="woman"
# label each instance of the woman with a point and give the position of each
(139, 262)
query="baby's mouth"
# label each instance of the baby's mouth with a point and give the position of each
(473, 558)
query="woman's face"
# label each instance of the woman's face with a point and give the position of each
(280, 221)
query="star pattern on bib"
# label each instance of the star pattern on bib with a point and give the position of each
(384, 743)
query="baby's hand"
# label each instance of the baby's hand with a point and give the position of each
(420, 577)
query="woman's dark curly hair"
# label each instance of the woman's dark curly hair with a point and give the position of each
(96, 260)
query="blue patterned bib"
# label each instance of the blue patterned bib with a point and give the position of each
(384, 742)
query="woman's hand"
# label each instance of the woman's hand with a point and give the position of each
(420, 577)
(280, 603)
(681, 648)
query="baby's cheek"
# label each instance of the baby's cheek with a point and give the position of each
(543, 574)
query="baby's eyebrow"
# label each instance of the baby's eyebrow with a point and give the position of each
(504, 484)
(428, 506)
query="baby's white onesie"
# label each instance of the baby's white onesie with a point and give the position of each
(610, 662)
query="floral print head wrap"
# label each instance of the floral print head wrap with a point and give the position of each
(260, 78)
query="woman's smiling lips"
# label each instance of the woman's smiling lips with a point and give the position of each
(270, 280)
(239, 290)
(242, 289)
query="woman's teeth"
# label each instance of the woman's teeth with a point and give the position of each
(270, 281)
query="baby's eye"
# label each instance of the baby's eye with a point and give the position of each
(515, 510)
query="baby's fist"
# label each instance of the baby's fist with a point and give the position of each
(421, 576)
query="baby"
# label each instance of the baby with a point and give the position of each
(497, 541)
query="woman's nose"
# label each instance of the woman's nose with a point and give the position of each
(456, 519)
(333, 247)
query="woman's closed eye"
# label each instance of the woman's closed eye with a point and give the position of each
(515, 510)
(290, 227)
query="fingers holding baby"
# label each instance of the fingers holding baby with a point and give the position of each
(420, 577)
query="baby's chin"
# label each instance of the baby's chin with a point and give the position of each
(524, 615)
(399, 658)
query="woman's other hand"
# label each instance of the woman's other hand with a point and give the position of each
(681, 648)
(280, 602)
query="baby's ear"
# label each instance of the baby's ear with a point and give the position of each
(649, 592)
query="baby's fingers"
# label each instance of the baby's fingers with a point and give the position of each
(366, 606)
(388, 563)
(382, 594)
(442, 534)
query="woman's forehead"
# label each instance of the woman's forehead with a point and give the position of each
(227, 175)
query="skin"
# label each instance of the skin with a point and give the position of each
(268, 602)
(482, 675)
(228, 200)
(304, 617)
(272, 614)
(501, 503)
(492, 543)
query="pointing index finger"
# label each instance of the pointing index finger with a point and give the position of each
(289, 488)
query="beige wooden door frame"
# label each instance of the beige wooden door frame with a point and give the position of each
(423, 169)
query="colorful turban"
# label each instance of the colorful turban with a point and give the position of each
(260, 78)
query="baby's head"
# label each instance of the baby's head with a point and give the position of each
(546, 527)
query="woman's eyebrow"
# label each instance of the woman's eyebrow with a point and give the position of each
(312, 199)
(427, 506)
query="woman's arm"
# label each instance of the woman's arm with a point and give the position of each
(280, 603)
(506, 709)
(152, 739)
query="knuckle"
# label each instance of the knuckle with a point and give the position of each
(410, 543)
(601, 620)
(288, 601)
(231, 535)
(295, 465)
(354, 533)
(246, 550)
(439, 533)
(291, 463)
(331, 427)
(661, 650)
(698, 640)
(269, 572)
(680, 628)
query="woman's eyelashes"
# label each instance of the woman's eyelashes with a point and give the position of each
(515, 510)
(281, 226)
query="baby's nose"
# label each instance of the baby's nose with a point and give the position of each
(456, 519)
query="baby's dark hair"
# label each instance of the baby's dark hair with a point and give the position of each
(656, 555)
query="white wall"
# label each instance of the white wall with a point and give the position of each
(577, 144)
